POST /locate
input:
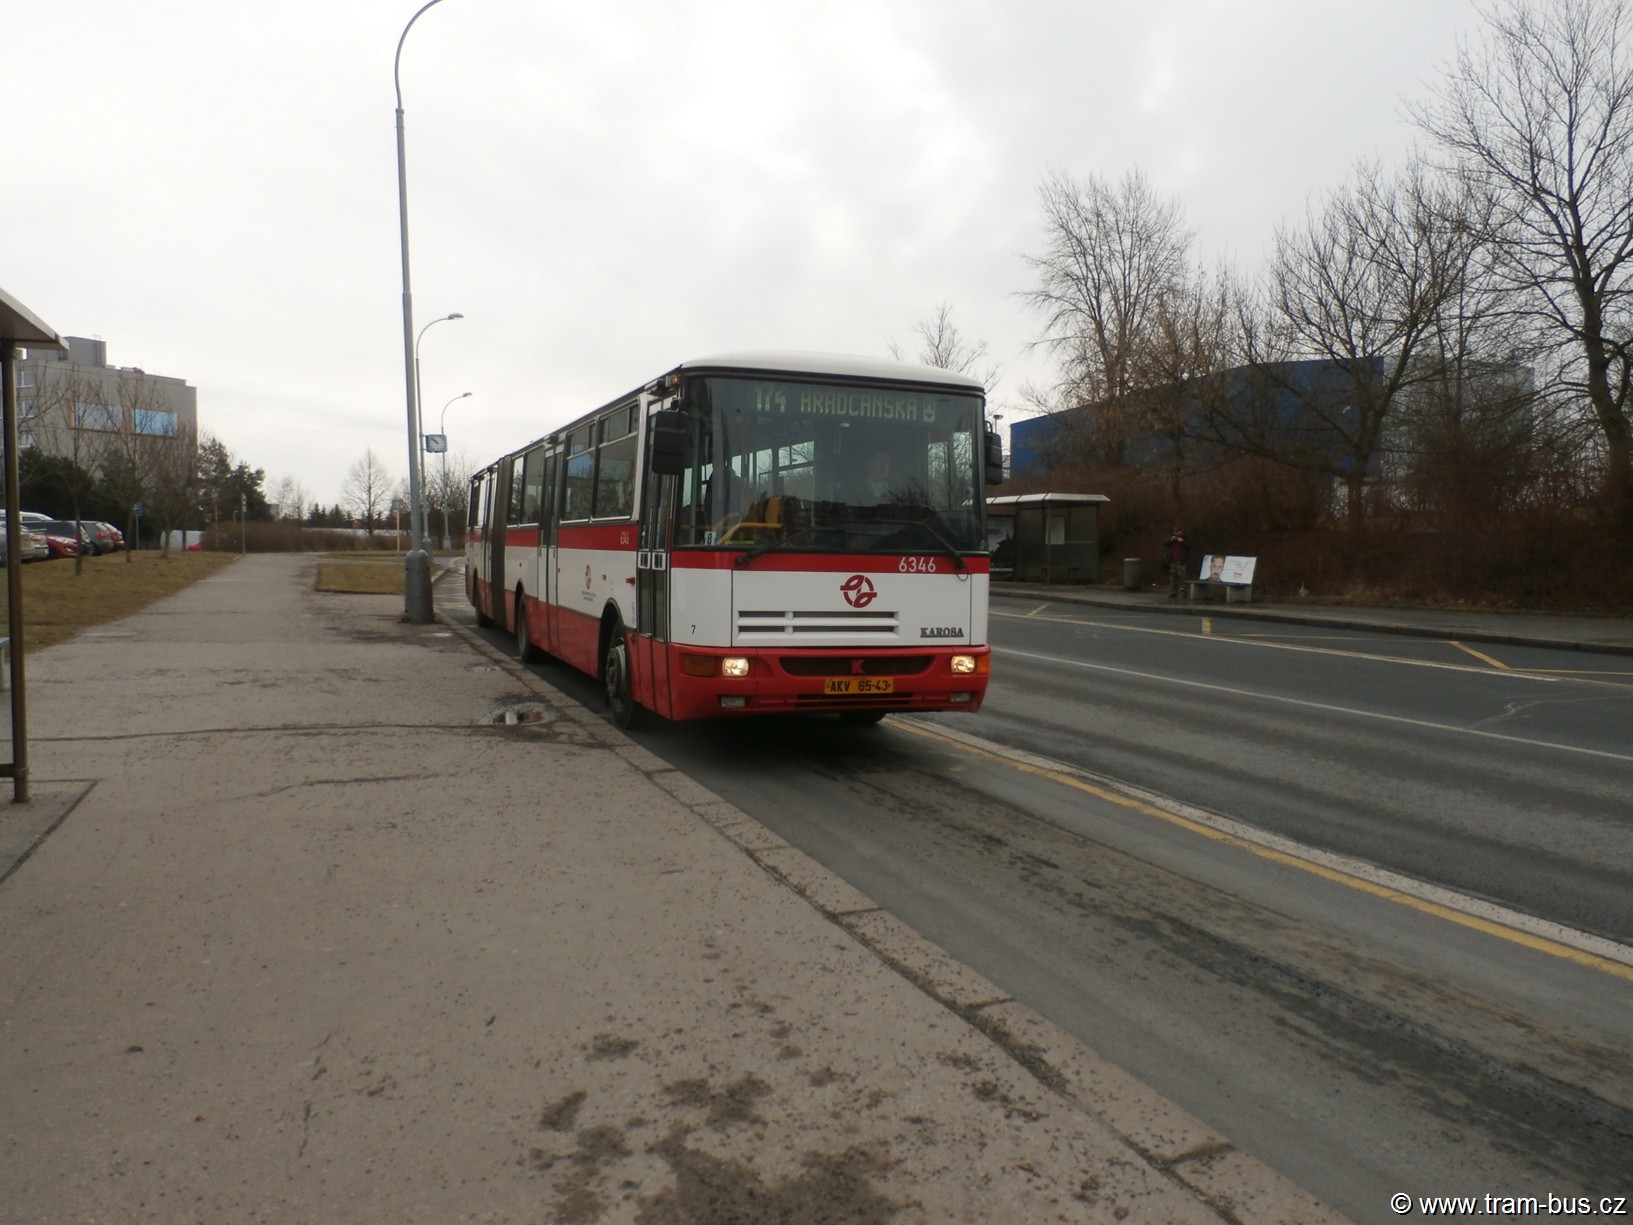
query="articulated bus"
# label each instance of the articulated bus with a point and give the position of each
(752, 534)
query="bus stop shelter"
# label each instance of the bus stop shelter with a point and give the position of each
(1056, 536)
(19, 327)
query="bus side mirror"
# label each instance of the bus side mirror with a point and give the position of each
(995, 458)
(671, 440)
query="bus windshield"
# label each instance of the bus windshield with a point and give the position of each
(830, 467)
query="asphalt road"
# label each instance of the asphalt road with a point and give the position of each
(1361, 1043)
(1503, 772)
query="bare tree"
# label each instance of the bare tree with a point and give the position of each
(1361, 289)
(168, 467)
(448, 490)
(74, 422)
(1181, 361)
(152, 450)
(1538, 114)
(942, 345)
(1114, 254)
(1466, 438)
(367, 490)
(289, 499)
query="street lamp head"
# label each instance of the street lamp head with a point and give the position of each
(428, 327)
(447, 406)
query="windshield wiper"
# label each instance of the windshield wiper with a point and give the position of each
(947, 546)
(770, 546)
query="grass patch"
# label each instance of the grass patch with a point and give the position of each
(58, 603)
(359, 577)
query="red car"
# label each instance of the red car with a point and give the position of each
(61, 546)
(62, 538)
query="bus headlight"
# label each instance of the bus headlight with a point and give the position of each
(963, 665)
(732, 666)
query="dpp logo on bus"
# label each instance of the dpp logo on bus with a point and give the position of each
(858, 591)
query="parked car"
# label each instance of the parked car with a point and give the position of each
(28, 524)
(65, 538)
(61, 546)
(100, 536)
(116, 535)
(33, 546)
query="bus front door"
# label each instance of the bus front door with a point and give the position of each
(652, 591)
(498, 496)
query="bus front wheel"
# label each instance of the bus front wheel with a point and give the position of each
(615, 671)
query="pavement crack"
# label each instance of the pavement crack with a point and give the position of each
(364, 781)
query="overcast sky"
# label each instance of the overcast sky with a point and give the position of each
(607, 189)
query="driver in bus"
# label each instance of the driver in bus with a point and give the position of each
(876, 484)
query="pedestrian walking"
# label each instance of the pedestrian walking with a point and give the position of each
(1176, 559)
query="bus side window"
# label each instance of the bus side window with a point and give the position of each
(518, 489)
(580, 475)
(532, 486)
(615, 468)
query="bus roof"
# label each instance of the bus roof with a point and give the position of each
(842, 365)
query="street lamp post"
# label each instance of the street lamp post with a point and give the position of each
(421, 528)
(416, 570)
(442, 429)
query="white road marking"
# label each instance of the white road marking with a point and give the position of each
(1329, 708)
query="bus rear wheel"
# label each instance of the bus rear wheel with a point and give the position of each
(626, 712)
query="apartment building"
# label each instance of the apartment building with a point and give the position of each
(71, 403)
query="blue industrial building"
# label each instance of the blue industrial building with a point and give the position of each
(1303, 408)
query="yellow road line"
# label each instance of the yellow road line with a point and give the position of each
(1501, 931)
(1588, 672)
(1482, 656)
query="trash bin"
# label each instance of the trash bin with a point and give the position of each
(1133, 578)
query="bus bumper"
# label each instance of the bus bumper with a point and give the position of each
(826, 681)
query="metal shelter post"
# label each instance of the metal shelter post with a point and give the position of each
(18, 326)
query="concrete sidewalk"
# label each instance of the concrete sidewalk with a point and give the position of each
(346, 920)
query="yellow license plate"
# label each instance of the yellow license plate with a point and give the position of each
(840, 685)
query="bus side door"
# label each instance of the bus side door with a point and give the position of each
(498, 506)
(550, 520)
(652, 588)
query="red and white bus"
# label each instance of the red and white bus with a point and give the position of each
(752, 534)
